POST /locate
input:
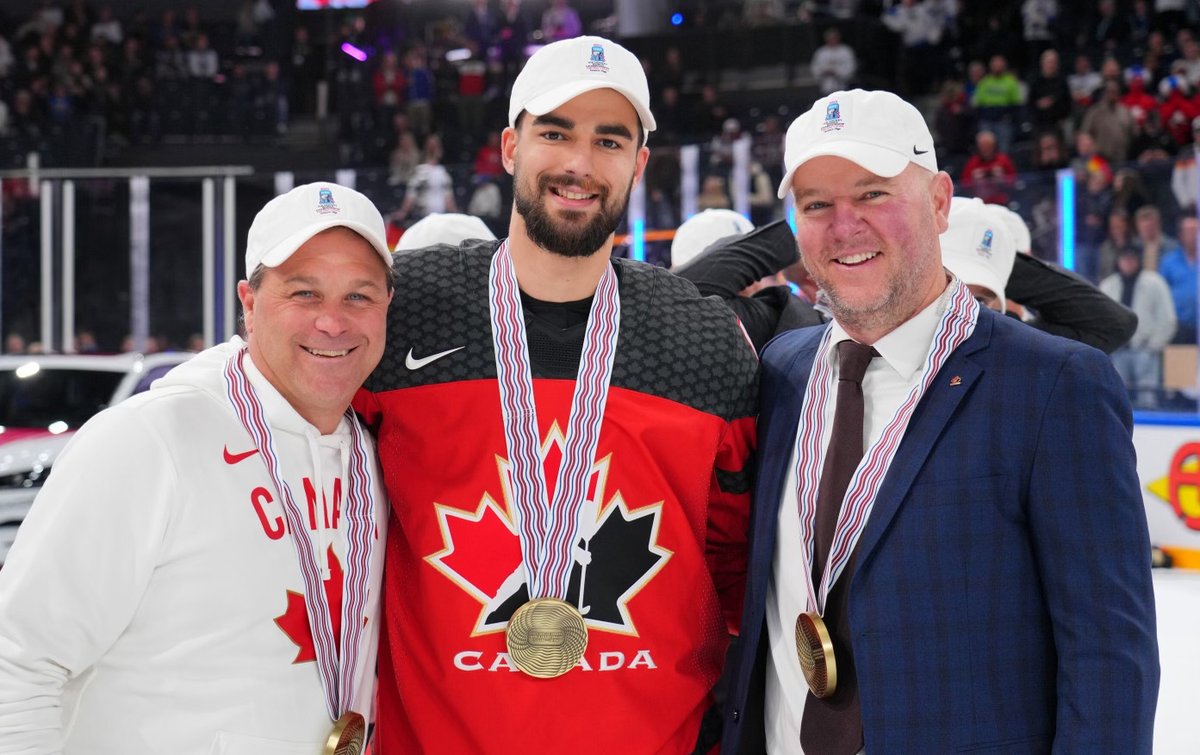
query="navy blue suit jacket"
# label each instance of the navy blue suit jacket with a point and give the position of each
(1002, 601)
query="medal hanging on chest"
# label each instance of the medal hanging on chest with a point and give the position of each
(814, 646)
(547, 636)
(335, 670)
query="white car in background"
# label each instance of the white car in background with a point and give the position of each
(43, 400)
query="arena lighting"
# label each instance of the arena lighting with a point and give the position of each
(637, 246)
(1066, 218)
(458, 55)
(354, 52)
(676, 19)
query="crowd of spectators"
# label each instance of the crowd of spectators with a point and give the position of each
(415, 92)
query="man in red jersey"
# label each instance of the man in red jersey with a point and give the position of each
(564, 438)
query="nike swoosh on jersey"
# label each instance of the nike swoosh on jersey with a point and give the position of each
(235, 458)
(414, 363)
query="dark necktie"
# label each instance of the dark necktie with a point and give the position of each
(833, 725)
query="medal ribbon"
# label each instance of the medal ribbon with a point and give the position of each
(955, 326)
(548, 530)
(337, 674)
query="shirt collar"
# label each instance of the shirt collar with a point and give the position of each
(906, 347)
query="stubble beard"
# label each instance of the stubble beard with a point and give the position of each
(902, 298)
(568, 235)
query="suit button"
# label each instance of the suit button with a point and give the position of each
(737, 714)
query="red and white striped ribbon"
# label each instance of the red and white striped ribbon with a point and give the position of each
(337, 673)
(954, 327)
(548, 530)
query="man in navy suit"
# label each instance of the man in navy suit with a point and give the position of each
(984, 580)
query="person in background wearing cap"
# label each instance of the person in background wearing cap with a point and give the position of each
(1004, 277)
(450, 228)
(582, 604)
(976, 535)
(725, 256)
(1148, 294)
(159, 596)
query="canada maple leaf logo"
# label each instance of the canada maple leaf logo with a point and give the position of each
(616, 555)
(294, 620)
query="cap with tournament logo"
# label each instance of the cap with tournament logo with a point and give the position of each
(877, 130)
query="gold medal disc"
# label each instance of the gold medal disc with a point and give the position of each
(348, 736)
(546, 637)
(815, 649)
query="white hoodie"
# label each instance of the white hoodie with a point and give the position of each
(153, 602)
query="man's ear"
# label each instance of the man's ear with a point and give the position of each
(508, 149)
(246, 296)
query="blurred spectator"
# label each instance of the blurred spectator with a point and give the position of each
(709, 114)
(404, 159)
(1108, 30)
(1084, 83)
(1189, 59)
(107, 27)
(431, 189)
(990, 173)
(1049, 95)
(670, 117)
(713, 194)
(420, 92)
(976, 70)
(560, 21)
(202, 60)
(489, 162)
(954, 125)
(272, 106)
(1039, 20)
(14, 343)
(1110, 124)
(85, 343)
(1150, 239)
(997, 98)
(919, 25)
(1156, 58)
(1172, 15)
(1094, 203)
(1129, 191)
(1178, 109)
(721, 147)
(1151, 144)
(1048, 152)
(1185, 178)
(487, 202)
(481, 27)
(1139, 102)
(1178, 268)
(768, 147)
(1118, 241)
(388, 84)
(670, 74)
(513, 34)
(834, 63)
(304, 68)
(764, 203)
(1146, 293)
(763, 12)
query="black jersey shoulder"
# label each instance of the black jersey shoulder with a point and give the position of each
(673, 344)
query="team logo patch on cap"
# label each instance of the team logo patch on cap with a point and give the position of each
(596, 61)
(985, 245)
(325, 203)
(833, 117)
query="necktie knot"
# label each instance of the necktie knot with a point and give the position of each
(853, 360)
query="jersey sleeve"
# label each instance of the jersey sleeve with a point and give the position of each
(729, 517)
(78, 569)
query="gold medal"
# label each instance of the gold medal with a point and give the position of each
(546, 637)
(348, 735)
(815, 649)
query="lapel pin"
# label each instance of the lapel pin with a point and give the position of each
(956, 380)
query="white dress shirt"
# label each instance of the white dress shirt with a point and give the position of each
(889, 379)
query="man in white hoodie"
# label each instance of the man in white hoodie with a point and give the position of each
(163, 593)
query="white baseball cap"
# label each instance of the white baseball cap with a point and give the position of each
(877, 130)
(289, 220)
(978, 247)
(563, 70)
(1017, 228)
(702, 230)
(443, 228)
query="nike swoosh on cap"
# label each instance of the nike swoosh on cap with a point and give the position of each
(415, 363)
(919, 151)
(235, 458)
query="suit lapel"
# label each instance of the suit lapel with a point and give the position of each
(949, 387)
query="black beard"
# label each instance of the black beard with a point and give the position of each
(568, 237)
